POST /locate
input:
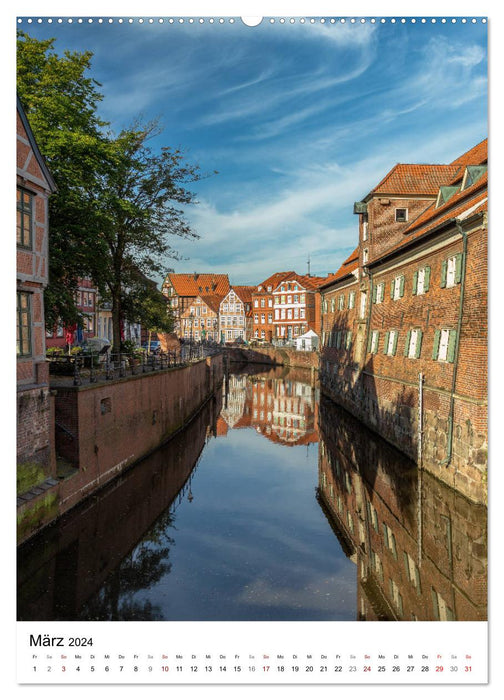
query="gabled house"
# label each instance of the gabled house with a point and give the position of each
(182, 289)
(262, 307)
(296, 306)
(200, 320)
(34, 187)
(235, 314)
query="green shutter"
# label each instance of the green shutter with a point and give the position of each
(407, 344)
(435, 349)
(406, 565)
(458, 268)
(418, 344)
(415, 281)
(374, 295)
(394, 346)
(427, 279)
(444, 269)
(348, 339)
(370, 342)
(392, 285)
(401, 287)
(387, 334)
(452, 338)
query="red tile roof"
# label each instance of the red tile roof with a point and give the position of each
(405, 178)
(244, 292)
(474, 156)
(212, 301)
(273, 281)
(348, 266)
(457, 204)
(192, 285)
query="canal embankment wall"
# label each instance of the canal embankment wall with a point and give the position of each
(101, 429)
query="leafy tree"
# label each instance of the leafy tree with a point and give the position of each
(143, 302)
(61, 102)
(139, 213)
(118, 201)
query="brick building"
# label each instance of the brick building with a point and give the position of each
(263, 327)
(181, 289)
(235, 314)
(416, 334)
(200, 320)
(34, 186)
(296, 306)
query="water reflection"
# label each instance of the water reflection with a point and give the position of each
(225, 523)
(420, 548)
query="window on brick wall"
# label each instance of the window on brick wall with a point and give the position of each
(333, 304)
(413, 345)
(390, 342)
(389, 539)
(397, 287)
(24, 218)
(441, 609)
(351, 300)
(396, 596)
(451, 271)
(379, 293)
(374, 342)
(412, 572)
(421, 280)
(23, 339)
(364, 228)
(401, 215)
(444, 345)
(365, 256)
(341, 302)
(362, 307)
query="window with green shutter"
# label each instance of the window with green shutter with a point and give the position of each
(387, 336)
(435, 347)
(401, 286)
(444, 271)
(415, 282)
(452, 341)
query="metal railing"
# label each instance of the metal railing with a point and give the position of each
(93, 367)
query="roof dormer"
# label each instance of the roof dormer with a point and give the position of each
(472, 175)
(445, 193)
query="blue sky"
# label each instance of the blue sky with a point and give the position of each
(300, 120)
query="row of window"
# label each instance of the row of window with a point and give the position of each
(289, 313)
(290, 299)
(262, 303)
(443, 348)
(451, 275)
(263, 318)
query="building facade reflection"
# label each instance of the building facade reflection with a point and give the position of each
(420, 548)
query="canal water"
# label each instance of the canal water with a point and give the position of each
(273, 504)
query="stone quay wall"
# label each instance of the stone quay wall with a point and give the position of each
(101, 429)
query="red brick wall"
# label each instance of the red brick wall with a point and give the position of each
(383, 390)
(116, 423)
(384, 230)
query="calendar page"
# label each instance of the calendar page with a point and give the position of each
(252, 355)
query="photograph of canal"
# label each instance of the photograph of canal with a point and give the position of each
(252, 348)
(270, 505)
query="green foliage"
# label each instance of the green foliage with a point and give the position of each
(118, 202)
